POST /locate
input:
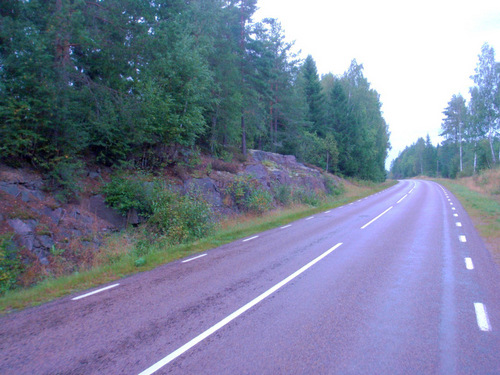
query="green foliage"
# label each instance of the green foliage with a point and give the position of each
(333, 188)
(180, 218)
(125, 194)
(249, 195)
(10, 264)
(65, 176)
(282, 193)
(307, 196)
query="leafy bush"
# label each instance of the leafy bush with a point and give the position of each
(282, 193)
(332, 187)
(10, 264)
(180, 218)
(124, 194)
(65, 174)
(248, 195)
(306, 196)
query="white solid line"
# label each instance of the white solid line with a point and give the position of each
(286, 226)
(371, 221)
(468, 264)
(458, 224)
(402, 199)
(462, 239)
(482, 317)
(169, 358)
(251, 238)
(94, 292)
(190, 259)
(310, 217)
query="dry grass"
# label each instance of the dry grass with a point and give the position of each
(480, 195)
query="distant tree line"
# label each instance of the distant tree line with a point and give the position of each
(124, 80)
(470, 130)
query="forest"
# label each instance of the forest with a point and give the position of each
(147, 84)
(470, 131)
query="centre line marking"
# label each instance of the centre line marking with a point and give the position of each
(169, 358)
(482, 317)
(462, 239)
(197, 257)
(453, 208)
(371, 221)
(468, 264)
(402, 199)
(456, 215)
(94, 292)
(251, 238)
(458, 224)
(286, 226)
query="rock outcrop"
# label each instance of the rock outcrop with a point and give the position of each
(44, 227)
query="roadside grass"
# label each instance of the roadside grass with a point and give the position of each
(127, 253)
(482, 203)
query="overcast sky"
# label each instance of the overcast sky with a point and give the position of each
(415, 54)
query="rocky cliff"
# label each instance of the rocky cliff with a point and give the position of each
(43, 227)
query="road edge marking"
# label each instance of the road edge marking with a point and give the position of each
(197, 257)
(184, 348)
(94, 292)
(378, 217)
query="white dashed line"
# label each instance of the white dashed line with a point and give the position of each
(456, 215)
(458, 224)
(286, 226)
(251, 238)
(197, 257)
(468, 264)
(327, 212)
(169, 358)
(462, 239)
(399, 201)
(371, 221)
(94, 292)
(310, 217)
(453, 208)
(482, 317)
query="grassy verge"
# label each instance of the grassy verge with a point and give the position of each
(483, 206)
(121, 255)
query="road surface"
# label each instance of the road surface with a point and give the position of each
(396, 283)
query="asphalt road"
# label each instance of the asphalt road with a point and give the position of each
(396, 283)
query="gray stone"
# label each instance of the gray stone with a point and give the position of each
(133, 217)
(20, 227)
(94, 175)
(259, 172)
(46, 241)
(10, 189)
(207, 188)
(98, 207)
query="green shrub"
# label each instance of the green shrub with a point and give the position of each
(10, 264)
(124, 194)
(306, 196)
(249, 195)
(64, 175)
(282, 193)
(333, 188)
(180, 218)
(259, 201)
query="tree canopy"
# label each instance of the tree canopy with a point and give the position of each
(470, 130)
(114, 81)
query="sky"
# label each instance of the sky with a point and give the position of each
(415, 54)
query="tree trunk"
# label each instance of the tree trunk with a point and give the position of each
(243, 136)
(490, 138)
